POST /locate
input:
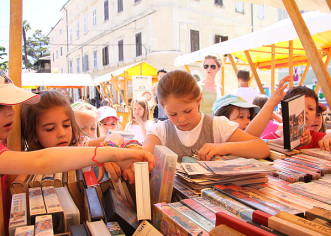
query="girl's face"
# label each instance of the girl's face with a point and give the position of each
(184, 115)
(6, 120)
(317, 124)
(240, 116)
(209, 71)
(109, 123)
(87, 122)
(310, 104)
(54, 128)
(138, 110)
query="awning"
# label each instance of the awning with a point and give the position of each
(56, 80)
(259, 43)
(140, 68)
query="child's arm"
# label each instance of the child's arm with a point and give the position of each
(260, 121)
(150, 142)
(53, 160)
(239, 144)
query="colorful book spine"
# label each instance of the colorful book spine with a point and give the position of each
(44, 226)
(192, 215)
(93, 206)
(115, 229)
(228, 203)
(201, 209)
(25, 231)
(36, 203)
(18, 212)
(54, 208)
(170, 221)
(90, 179)
(211, 205)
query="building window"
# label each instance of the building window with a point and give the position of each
(240, 7)
(86, 24)
(105, 56)
(195, 42)
(120, 50)
(139, 50)
(220, 38)
(77, 30)
(61, 51)
(85, 63)
(53, 56)
(119, 6)
(78, 64)
(106, 10)
(94, 16)
(70, 35)
(95, 59)
(260, 11)
(57, 54)
(71, 69)
(136, 1)
(219, 2)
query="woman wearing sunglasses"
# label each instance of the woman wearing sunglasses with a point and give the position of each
(209, 88)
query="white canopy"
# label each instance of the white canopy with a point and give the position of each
(279, 32)
(56, 80)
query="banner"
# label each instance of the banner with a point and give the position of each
(141, 87)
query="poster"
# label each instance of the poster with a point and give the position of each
(141, 87)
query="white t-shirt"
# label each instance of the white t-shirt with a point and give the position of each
(136, 129)
(246, 93)
(223, 128)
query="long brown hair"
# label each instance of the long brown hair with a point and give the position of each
(179, 84)
(143, 103)
(32, 112)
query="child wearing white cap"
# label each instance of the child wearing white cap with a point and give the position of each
(108, 120)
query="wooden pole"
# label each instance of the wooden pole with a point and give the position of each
(234, 66)
(187, 69)
(329, 3)
(100, 92)
(103, 86)
(257, 78)
(308, 44)
(290, 62)
(326, 63)
(304, 74)
(272, 69)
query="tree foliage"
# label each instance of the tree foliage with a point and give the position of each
(3, 64)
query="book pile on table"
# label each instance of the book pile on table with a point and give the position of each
(239, 171)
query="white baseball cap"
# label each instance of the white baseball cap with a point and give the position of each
(12, 95)
(106, 111)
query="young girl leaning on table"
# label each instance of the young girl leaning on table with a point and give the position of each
(188, 131)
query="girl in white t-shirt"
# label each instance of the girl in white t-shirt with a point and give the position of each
(139, 119)
(189, 132)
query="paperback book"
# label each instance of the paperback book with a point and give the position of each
(18, 212)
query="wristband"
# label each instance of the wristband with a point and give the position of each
(95, 153)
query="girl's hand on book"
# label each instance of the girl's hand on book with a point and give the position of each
(209, 150)
(113, 170)
(325, 142)
(305, 138)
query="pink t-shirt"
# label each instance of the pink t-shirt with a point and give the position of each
(272, 127)
(3, 179)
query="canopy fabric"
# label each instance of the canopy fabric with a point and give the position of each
(56, 80)
(140, 68)
(306, 5)
(260, 42)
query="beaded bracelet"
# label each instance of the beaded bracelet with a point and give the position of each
(95, 153)
(132, 143)
(108, 143)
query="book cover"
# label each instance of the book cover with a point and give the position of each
(44, 226)
(76, 193)
(58, 180)
(143, 197)
(115, 229)
(18, 212)
(20, 184)
(36, 203)
(203, 222)
(90, 179)
(170, 221)
(146, 229)
(235, 207)
(54, 208)
(78, 230)
(239, 225)
(293, 113)
(224, 230)
(317, 152)
(37, 180)
(318, 212)
(199, 208)
(47, 180)
(94, 208)
(25, 231)
(163, 174)
(97, 228)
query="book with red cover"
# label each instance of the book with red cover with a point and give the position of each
(239, 225)
(90, 179)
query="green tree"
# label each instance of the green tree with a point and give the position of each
(3, 64)
(25, 28)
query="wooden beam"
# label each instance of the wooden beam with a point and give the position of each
(103, 88)
(303, 77)
(118, 89)
(272, 69)
(110, 94)
(223, 79)
(187, 69)
(103, 98)
(329, 3)
(253, 69)
(307, 41)
(326, 63)
(233, 63)
(290, 62)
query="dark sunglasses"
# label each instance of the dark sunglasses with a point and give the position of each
(205, 66)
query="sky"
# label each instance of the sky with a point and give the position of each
(41, 14)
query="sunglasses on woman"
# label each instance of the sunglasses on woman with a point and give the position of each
(205, 66)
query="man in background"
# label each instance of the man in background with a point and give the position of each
(158, 113)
